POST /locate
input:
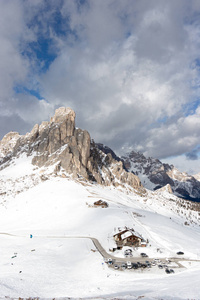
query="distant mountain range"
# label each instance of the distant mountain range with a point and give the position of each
(154, 174)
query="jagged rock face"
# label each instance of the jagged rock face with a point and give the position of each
(8, 142)
(59, 143)
(155, 175)
(106, 150)
(112, 171)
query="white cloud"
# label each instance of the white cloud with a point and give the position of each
(182, 164)
(173, 139)
(13, 68)
(128, 68)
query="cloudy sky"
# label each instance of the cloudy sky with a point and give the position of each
(129, 68)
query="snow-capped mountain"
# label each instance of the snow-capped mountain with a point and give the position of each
(47, 223)
(154, 175)
(55, 240)
(61, 144)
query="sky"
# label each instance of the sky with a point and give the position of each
(129, 68)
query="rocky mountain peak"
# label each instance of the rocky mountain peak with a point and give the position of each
(63, 114)
(68, 149)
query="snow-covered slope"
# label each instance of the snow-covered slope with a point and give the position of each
(154, 174)
(61, 261)
(197, 176)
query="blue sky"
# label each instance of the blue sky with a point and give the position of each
(129, 68)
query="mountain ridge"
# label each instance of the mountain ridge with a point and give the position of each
(60, 143)
(155, 175)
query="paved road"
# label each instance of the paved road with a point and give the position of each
(120, 260)
(106, 255)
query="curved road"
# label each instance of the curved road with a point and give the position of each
(106, 255)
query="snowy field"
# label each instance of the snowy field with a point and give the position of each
(60, 261)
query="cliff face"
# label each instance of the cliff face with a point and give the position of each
(59, 143)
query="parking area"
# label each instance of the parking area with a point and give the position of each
(141, 265)
(143, 262)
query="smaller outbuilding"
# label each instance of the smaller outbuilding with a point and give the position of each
(101, 203)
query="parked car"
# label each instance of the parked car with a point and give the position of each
(129, 265)
(167, 271)
(180, 253)
(116, 267)
(123, 266)
(129, 250)
(128, 253)
(135, 266)
(160, 266)
(143, 254)
(171, 270)
(110, 261)
(168, 260)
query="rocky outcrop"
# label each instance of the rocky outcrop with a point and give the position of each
(8, 142)
(111, 170)
(59, 143)
(155, 175)
(167, 188)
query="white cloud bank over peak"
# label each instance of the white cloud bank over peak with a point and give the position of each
(130, 69)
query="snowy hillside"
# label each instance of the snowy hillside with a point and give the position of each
(60, 260)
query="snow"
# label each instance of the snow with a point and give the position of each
(19, 167)
(126, 234)
(146, 181)
(60, 260)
